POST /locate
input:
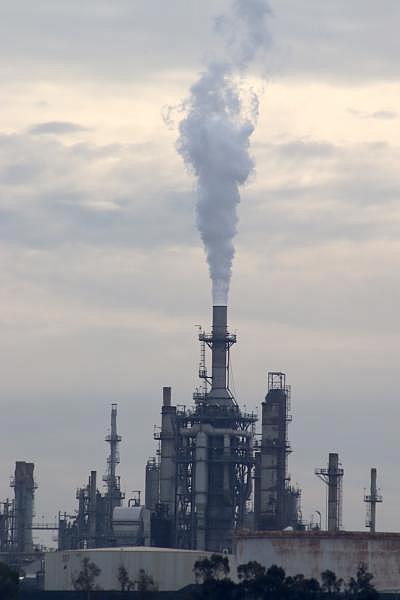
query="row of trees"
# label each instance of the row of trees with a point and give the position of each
(258, 583)
(85, 580)
(255, 582)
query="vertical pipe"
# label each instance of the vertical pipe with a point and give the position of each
(92, 509)
(201, 489)
(333, 495)
(227, 465)
(373, 500)
(168, 453)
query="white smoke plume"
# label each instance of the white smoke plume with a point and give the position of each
(214, 138)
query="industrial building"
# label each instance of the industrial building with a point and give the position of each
(201, 491)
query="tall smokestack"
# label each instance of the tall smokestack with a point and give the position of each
(219, 363)
(220, 344)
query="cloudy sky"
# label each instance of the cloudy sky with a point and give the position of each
(103, 273)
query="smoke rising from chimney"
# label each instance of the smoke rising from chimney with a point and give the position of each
(214, 137)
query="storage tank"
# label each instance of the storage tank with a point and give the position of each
(131, 526)
(170, 569)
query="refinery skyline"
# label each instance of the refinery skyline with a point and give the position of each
(104, 278)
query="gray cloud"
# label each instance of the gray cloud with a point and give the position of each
(60, 193)
(344, 41)
(54, 193)
(378, 114)
(56, 127)
(384, 114)
(349, 41)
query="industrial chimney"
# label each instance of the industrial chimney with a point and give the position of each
(220, 342)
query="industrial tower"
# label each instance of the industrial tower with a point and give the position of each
(24, 489)
(112, 481)
(372, 499)
(333, 477)
(277, 503)
(92, 526)
(206, 456)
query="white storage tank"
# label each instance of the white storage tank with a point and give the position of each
(170, 569)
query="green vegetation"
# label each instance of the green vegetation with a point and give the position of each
(85, 581)
(124, 580)
(145, 582)
(258, 583)
(8, 583)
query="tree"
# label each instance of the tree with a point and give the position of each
(252, 577)
(257, 582)
(330, 583)
(300, 587)
(145, 582)
(211, 569)
(362, 585)
(85, 580)
(250, 571)
(213, 573)
(125, 582)
(9, 581)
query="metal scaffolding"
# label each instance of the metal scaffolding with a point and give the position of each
(114, 496)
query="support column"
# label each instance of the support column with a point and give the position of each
(92, 509)
(201, 489)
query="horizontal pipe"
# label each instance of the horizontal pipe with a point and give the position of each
(213, 431)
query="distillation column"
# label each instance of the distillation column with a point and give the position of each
(24, 489)
(168, 455)
(372, 499)
(273, 509)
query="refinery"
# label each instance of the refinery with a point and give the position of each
(218, 482)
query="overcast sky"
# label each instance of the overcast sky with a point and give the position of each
(103, 273)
